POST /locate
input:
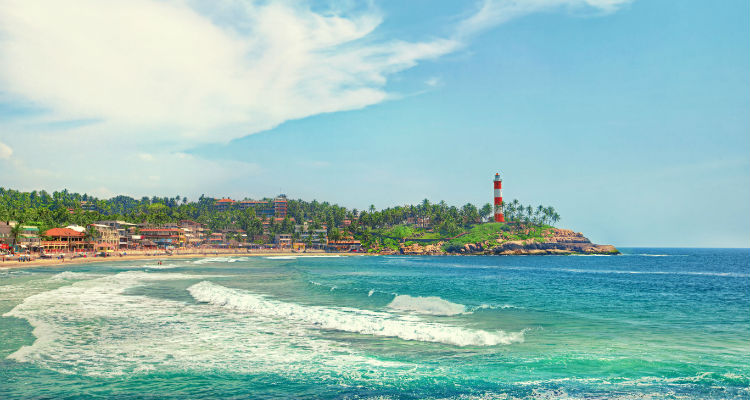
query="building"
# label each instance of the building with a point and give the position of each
(345, 245)
(224, 204)
(283, 240)
(193, 232)
(314, 238)
(164, 237)
(5, 233)
(267, 208)
(280, 206)
(64, 239)
(125, 232)
(217, 239)
(107, 237)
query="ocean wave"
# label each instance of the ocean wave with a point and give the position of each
(349, 320)
(209, 260)
(95, 328)
(73, 276)
(431, 305)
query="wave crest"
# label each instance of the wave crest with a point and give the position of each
(431, 305)
(349, 320)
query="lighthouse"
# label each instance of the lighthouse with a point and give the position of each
(498, 184)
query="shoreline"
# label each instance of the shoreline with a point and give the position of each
(54, 262)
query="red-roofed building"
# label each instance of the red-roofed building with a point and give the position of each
(64, 239)
(224, 204)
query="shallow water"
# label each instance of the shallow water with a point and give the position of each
(653, 323)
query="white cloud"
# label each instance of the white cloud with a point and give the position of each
(161, 64)
(5, 151)
(495, 12)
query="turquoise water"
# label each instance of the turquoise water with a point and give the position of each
(653, 323)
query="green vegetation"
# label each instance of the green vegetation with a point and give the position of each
(490, 232)
(479, 233)
(375, 229)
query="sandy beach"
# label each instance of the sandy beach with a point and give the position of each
(134, 255)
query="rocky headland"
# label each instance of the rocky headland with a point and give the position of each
(554, 241)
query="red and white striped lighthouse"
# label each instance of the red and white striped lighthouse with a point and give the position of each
(498, 182)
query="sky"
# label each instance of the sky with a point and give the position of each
(631, 118)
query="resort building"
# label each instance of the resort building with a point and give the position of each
(224, 204)
(124, 230)
(267, 208)
(64, 239)
(164, 237)
(106, 237)
(349, 245)
(283, 240)
(193, 232)
(217, 239)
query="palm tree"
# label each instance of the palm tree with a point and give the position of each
(15, 233)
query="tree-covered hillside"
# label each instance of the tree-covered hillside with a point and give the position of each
(433, 220)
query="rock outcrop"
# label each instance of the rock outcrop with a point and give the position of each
(557, 241)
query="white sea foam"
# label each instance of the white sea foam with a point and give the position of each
(431, 305)
(493, 307)
(210, 260)
(73, 276)
(347, 319)
(93, 327)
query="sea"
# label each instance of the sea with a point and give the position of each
(648, 324)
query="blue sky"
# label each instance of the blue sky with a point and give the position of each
(631, 118)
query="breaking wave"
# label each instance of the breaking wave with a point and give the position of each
(431, 305)
(93, 327)
(73, 276)
(349, 320)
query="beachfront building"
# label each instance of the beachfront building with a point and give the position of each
(64, 239)
(315, 238)
(217, 239)
(283, 240)
(164, 237)
(193, 232)
(346, 245)
(124, 231)
(5, 237)
(106, 237)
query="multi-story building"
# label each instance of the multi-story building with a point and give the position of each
(64, 239)
(125, 231)
(267, 208)
(316, 238)
(224, 204)
(280, 206)
(193, 232)
(107, 236)
(5, 233)
(283, 240)
(344, 245)
(217, 239)
(164, 237)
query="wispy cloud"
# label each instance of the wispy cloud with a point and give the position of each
(495, 12)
